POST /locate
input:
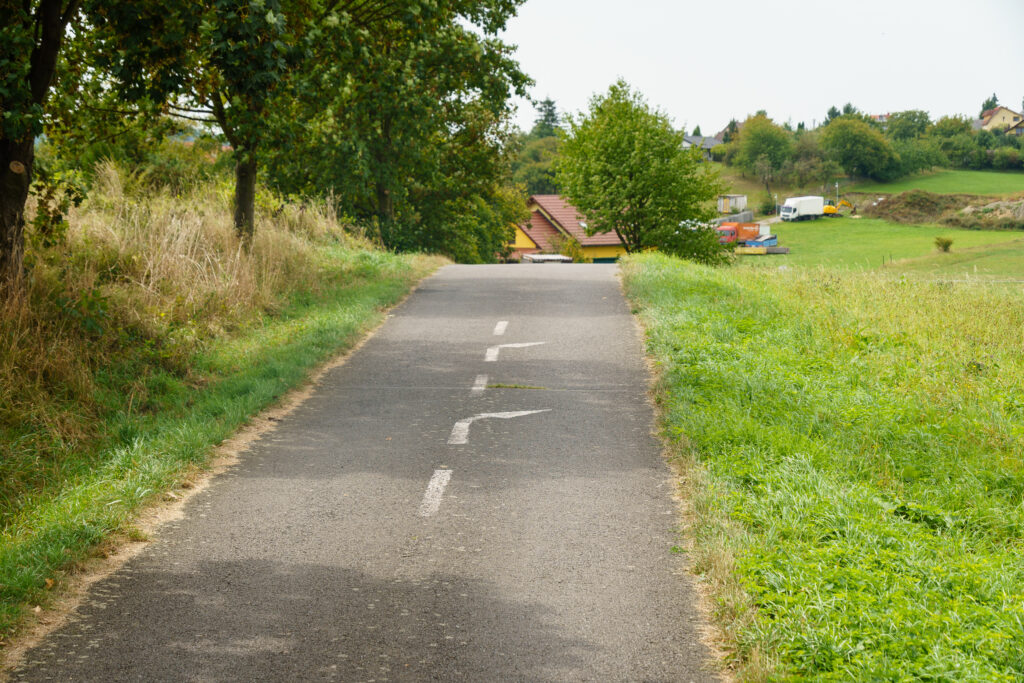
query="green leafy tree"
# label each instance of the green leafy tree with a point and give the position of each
(950, 126)
(961, 150)
(696, 130)
(624, 168)
(764, 148)
(907, 125)
(218, 61)
(858, 148)
(809, 165)
(407, 125)
(832, 114)
(990, 103)
(548, 121)
(534, 166)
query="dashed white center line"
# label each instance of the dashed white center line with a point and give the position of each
(435, 490)
(479, 385)
(460, 432)
(500, 328)
(492, 352)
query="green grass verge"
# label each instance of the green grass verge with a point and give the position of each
(856, 442)
(871, 243)
(147, 453)
(952, 182)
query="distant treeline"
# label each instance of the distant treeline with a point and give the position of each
(860, 146)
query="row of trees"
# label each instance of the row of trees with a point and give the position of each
(857, 145)
(399, 109)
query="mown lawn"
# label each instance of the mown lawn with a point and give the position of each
(953, 182)
(852, 444)
(871, 243)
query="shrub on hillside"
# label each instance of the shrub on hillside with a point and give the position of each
(1006, 159)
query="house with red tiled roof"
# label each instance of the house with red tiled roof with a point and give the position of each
(1000, 118)
(552, 220)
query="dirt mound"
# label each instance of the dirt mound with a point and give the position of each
(959, 210)
(1003, 215)
(916, 206)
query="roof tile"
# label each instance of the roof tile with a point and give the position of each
(569, 219)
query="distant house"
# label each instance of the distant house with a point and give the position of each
(705, 143)
(1000, 118)
(553, 219)
(1016, 129)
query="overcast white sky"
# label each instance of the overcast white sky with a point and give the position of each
(704, 61)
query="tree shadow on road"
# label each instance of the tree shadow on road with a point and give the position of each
(285, 621)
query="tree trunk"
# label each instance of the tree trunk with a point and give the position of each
(15, 177)
(385, 214)
(626, 244)
(382, 185)
(245, 196)
(47, 25)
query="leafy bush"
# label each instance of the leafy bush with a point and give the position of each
(1006, 159)
(943, 243)
(569, 246)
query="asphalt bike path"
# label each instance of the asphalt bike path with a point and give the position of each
(475, 495)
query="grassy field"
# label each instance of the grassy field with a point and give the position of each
(147, 339)
(994, 183)
(952, 182)
(1003, 261)
(868, 243)
(851, 445)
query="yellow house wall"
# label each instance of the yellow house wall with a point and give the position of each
(1002, 119)
(604, 251)
(522, 240)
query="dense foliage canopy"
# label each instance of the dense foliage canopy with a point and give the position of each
(398, 110)
(624, 167)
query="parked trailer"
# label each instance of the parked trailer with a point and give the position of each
(803, 208)
(738, 233)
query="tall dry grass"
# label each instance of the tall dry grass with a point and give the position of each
(143, 274)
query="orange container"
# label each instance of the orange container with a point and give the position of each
(748, 231)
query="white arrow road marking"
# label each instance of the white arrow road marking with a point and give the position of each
(435, 489)
(492, 353)
(479, 385)
(499, 329)
(460, 432)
